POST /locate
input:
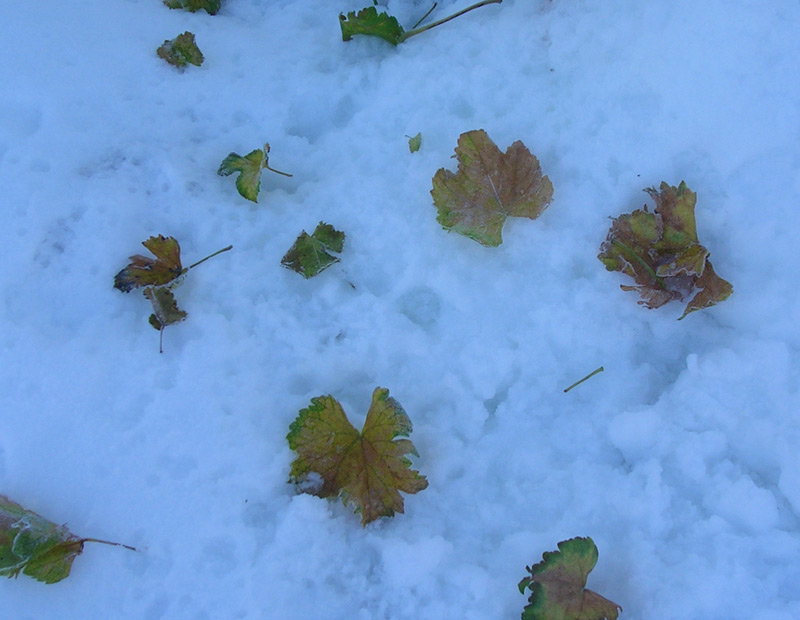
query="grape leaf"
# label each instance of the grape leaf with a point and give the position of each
(181, 51)
(310, 253)
(367, 469)
(661, 252)
(211, 7)
(368, 21)
(159, 277)
(34, 546)
(414, 142)
(249, 168)
(145, 271)
(557, 585)
(489, 187)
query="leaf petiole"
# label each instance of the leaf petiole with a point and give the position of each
(424, 17)
(589, 376)
(108, 542)
(415, 31)
(230, 247)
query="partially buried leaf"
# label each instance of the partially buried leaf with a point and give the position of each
(165, 308)
(145, 271)
(212, 7)
(310, 253)
(34, 546)
(181, 51)
(557, 585)
(489, 187)
(368, 21)
(367, 469)
(661, 252)
(414, 142)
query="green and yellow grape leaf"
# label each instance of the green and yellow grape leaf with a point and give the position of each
(366, 469)
(181, 51)
(368, 21)
(489, 187)
(249, 168)
(558, 585)
(145, 271)
(34, 546)
(414, 142)
(211, 7)
(310, 254)
(661, 252)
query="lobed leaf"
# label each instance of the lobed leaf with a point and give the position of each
(369, 22)
(367, 469)
(310, 253)
(145, 271)
(661, 252)
(557, 585)
(211, 7)
(489, 187)
(181, 51)
(249, 168)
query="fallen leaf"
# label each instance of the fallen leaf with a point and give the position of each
(145, 271)
(34, 546)
(211, 7)
(249, 168)
(414, 142)
(181, 51)
(557, 585)
(367, 469)
(661, 252)
(368, 21)
(310, 253)
(489, 187)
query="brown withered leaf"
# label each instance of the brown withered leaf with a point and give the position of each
(146, 271)
(489, 187)
(661, 252)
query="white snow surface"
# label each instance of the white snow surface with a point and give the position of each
(681, 460)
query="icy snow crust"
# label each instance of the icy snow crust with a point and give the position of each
(680, 460)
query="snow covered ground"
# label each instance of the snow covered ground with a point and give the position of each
(681, 460)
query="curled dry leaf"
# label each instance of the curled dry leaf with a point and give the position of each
(661, 252)
(489, 187)
(366, 469)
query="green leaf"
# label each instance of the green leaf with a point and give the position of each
(310, 253)
(34, 546)
(249, 168)
(489, 187)
(414, 142)
(211, 7)
(367, 469)
(369, 22)
(557, 585)
(165, 308)
(661, 252)
(145, 271)
(181, 51)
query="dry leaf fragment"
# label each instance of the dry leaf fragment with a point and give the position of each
(366, 469)
(661, 252)
(557, 585)
(489, 187)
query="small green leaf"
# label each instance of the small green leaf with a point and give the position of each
(366, 469)
(34, 546)
(310, 253)
(414, 142)
(249, 168)
(369, 22)
(181, 51)
(165, 308)
(211, 7)
(557, 585)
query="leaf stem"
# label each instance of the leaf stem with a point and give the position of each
(424, 17)
(589, 376)
(415, 31)
(230, 247)
(267, 166)
(108, 542)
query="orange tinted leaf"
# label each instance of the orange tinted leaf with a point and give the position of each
(367, 469)
(146, 271)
